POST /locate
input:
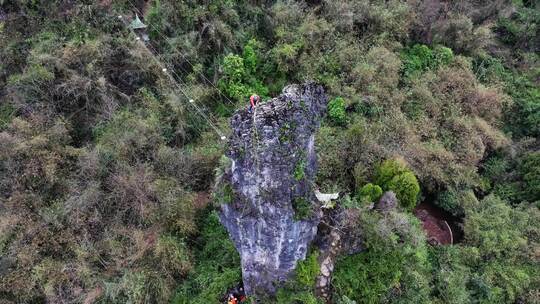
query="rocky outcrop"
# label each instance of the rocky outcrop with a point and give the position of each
(387, 202)
(267, 200)
(338, 234)
(326, 262)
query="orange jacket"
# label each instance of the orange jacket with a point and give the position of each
(253, 100)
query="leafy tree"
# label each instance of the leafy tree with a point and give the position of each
(388, 169)
(406, 188)
(241, 75)
(234, 74)
(385, 265)
(530, 169)
(393, 174)
(370, 193)
(336, 111)
(300, 288)
(420, 58)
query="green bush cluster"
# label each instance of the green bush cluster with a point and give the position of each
(300, 288)
(302, 208)
(420, 58)
(300, 170)
(336, 111)
(385, 265)
(520, 28)
(241, 75)
(394, 175)
(489, 266)
(369, 193)
(530, 169)
(406, 188)
(217, 268)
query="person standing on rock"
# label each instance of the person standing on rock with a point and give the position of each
(253, 101)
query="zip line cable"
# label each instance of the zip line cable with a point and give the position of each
(166, 39)
(190, 101)
(154, 53)
(164, 69)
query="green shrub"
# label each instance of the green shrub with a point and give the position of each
(300, 170)
(388, 169)
(496, 236)
(336, 111)
(302, 208)
(287, 296)
(360, 173)
(406, 188)
(365, 277)
(300, 288)
(308, 270)
(495, 168)
(420, 58)
(228, 194)
(513, 192)
(524, 118)
(521, 29)
(530, 169)
(173, 255)
(394, 175)
(156, 17)
(489, 69)
(224, 194)
(450, 200)
(232, 81)
(441, 56)
(251, 58)
(217, 268)
(6, 114)
(137, 287)
(395, 257)
(369, 109)
(333, 158)
(128, 136)
(369, 193)
(416, 59)
(241, 75)
(34, 84)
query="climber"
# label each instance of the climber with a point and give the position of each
(232, 299)
(241, 294)
(253, 101)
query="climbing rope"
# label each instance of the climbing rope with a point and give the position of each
(254, 151)
(256, 142)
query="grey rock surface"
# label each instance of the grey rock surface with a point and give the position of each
(387, 202)
(273, 164)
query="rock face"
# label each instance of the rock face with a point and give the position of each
(387, 202)
(268, 204)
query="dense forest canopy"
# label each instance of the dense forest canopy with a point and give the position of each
(107, 171)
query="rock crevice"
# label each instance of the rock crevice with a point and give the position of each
(269, 208)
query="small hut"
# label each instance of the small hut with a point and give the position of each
(139, 28)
